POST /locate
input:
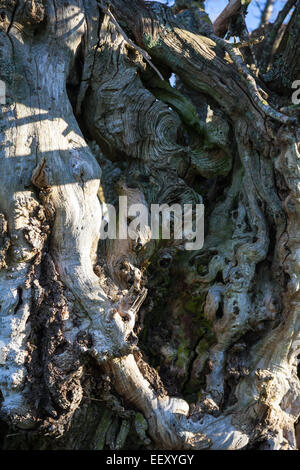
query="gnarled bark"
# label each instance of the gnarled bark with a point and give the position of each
(90, 115)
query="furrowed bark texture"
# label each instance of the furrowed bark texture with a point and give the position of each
(139, 343)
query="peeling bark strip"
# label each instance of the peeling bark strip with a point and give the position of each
(138, 343)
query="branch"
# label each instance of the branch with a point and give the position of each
(201, 66)
(267, 51)
(129, 41)
(169, 420)
(255, 94)
(286, 67)
(222, 22)
(267, 12)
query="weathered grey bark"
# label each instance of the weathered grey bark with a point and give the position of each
(90, 114)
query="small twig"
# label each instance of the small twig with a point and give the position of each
(239, 45)
(93, 399)
(145, 55)
(292, 110)
(258, 6)
(125, 311)
(138, 301)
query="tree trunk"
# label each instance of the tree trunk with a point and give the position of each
(138, 343)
